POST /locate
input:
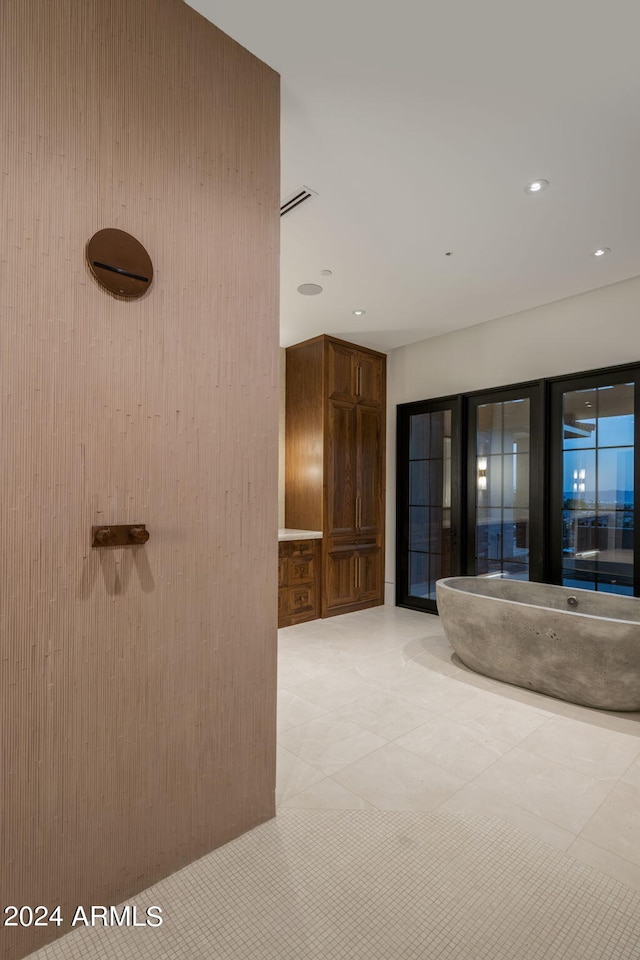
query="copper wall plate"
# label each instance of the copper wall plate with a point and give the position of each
(120, 263)
(119, 535)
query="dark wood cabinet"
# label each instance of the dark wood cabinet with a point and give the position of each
(341, 455)
(369, 470)
(353, 575)
(335, 464)
(354, 373)
(298, 563)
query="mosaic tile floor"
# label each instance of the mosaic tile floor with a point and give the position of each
(374, 885)
(424, 812)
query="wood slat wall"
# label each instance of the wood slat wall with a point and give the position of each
(137, 685)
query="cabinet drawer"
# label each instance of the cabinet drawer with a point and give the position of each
(297, 548)
(301, 570)
(303, 548)
(302, 599)
(297, 577)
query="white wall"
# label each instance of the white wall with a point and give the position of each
(596, 329)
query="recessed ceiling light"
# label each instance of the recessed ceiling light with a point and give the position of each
(326, 273)
(359, 313)
(536, 186)
(309, 289)
(601, 251)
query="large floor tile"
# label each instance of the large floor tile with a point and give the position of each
(384, 714)
(388, 667)
(334, 690)
(294, 670)
(392, 778)
(294, 710)
(616, 825)
(326, 795)
(431, 691)
(497, 717)
(330, 744)
(453, 746)
(293, 775)
(632, 775)
(544, 788)
(461, 742)
(602, 754)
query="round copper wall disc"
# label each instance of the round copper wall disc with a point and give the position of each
(120, 263)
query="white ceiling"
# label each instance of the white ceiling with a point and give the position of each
(419, 124)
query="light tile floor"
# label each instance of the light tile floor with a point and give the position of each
(424, 813)
(376, 885)
(376, 712)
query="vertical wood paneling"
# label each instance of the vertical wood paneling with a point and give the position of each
(137, 685)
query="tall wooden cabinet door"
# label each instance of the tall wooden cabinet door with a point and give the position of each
(339, 584)
(370, 379)
(368, 562)
(341, 468)
(341, 372)
(369, 470)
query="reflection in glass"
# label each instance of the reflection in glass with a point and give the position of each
(516, 426)
(615, 415)
(515, 571)
(436, 480)
(515, 480)
(489, 429)
(418, 574)
(615, 477)
(419, 436)
(419, 482)
(435, 530)
(502, 488)
(579, 477)
(598, 489)
(435, 436)
(579, 419)
(418, 528)
(429, 501)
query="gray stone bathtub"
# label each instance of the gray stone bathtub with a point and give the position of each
(577, 645)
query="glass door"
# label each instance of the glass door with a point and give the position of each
(428, 497)
(504, 486)
(593, 483)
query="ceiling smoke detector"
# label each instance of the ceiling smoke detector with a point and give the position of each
(304, 193)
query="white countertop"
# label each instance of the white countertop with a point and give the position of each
(286, 533)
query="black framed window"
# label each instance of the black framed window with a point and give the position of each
(594, 475)
(429, 499)
(505, 457)
(535, 481)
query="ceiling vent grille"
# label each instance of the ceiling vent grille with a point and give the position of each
(304, 193)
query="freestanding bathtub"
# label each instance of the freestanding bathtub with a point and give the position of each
(577, 645)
